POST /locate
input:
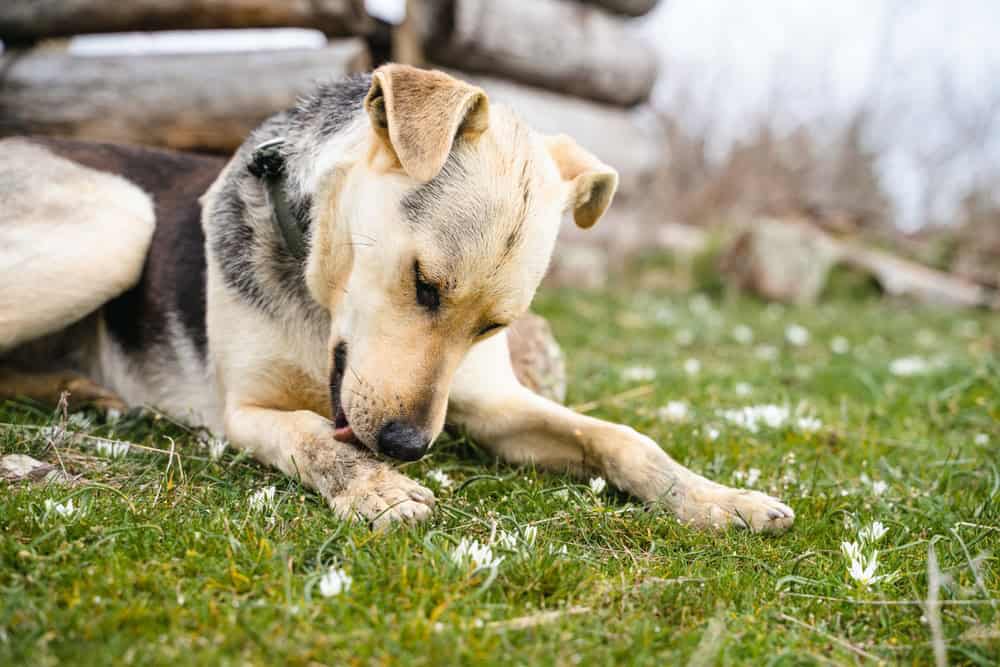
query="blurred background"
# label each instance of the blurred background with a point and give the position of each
(785, 148)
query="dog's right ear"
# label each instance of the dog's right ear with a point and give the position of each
(418, 114)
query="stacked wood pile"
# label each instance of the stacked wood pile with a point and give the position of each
(572, 66)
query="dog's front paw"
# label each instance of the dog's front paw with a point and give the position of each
(721, 507)
(382, 497)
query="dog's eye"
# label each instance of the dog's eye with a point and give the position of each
(427, 294)
(488, 328)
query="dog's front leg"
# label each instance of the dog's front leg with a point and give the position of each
(300, 443)
(522, 427)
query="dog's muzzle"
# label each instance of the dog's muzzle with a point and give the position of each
(402, 441)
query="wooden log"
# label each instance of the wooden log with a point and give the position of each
(556, 44)
(206, 102)
(627, 7)
(30, 20)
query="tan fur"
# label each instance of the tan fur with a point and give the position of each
(418, 114)
(54, 213)
(486, 242)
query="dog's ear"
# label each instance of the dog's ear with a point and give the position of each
(419, 113)
(592, 183)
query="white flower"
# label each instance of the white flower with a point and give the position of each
(981, 439)
(852, 550)
(839, 345)
(334, 582)
(561, 551)
(472, 551)
(743, 334)
(684, 337)
(879, 487)
(859, 570)
(751, 417)
(64, 510)
(767, 352)
(216, 447)
(797, 335)
(692, 366)
(115, 449)
(743, 389)
(809, 424)
(711, 433)
(441, 478)
(80, 421)
(907, 366)
(753, 475)
(511, 540)
(872, 533)
(262, 500)
(597, 484)
(638, 374)
(674, 411)
(699, 304)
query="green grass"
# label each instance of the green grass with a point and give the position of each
(166, 563)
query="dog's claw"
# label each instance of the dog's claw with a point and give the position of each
(720, 507)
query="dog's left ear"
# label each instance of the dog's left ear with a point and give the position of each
(592, 183)
(419, 114)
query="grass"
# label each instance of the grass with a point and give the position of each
(166, 562)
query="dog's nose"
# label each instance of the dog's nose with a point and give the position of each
(402, 441)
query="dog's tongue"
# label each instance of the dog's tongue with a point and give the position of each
(344, 434)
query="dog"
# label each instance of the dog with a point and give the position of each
(329, 298)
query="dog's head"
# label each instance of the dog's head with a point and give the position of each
(436, 238)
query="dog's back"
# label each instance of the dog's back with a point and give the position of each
(104, 266)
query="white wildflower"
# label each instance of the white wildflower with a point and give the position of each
(809, 424)
(684, 337)
(907, 366)
(334, 582)
(674, 411)
(839, 345)
(852, 550)
(530, 534)
(879, 487)
(766, 352)
(743, 389)
(112, 416)
(561, 551)
(753, 475)
(873, 533)
(472, 551)
(441, 478)
(638, 374)
(65, 510)
(699, 304)
(797, 335)
(692, 366)
(711, 433)
(507, 540)
(859, 569)
(981, 439)
(597, 484)
(79, 421)
(262, 500)
(752, 417)
(216, 447)
(115, 449)
(743, 334)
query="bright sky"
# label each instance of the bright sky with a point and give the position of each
(933, 65)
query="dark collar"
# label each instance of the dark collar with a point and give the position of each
(268, 164)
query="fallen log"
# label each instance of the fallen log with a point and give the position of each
(207, 102)
(789, 261)
(556, 44)
(31, 20)
(627, 7)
